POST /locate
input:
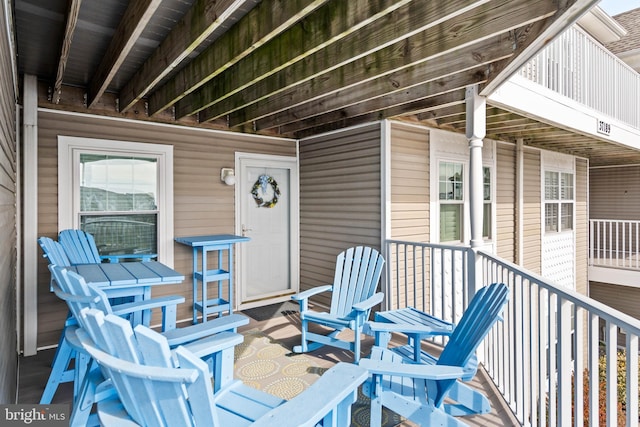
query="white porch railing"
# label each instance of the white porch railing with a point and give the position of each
(579, 67)
(548, 334)
(614, 243)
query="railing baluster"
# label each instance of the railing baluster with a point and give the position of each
(611, 342)
(632, 380)
(549, 333)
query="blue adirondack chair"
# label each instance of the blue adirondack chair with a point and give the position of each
(154, 390)
(357, 274)
(62, 369)
(53, 251)
(81, 248)
(417, 390)
(79, 295)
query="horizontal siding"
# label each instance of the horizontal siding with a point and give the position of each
(532, 250)
(203, 204)
(614, 193)
(409, 183)
(622, 298)
(409, 202)
(8, 327)
(339, 200)
(505, 182)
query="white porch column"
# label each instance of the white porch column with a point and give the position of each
(476, 131)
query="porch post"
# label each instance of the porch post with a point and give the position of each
(476, 131)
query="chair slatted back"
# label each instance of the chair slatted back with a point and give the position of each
(54, 252)
(80, 247)
(476, 322)
(152, 390)
(357, 274)
(78, 295)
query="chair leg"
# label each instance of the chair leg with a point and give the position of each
(86, 397)
(376, 401)
(59, 371)
(303, 347)
(357, 345)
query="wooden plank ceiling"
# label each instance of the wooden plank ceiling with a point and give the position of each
(292, 68)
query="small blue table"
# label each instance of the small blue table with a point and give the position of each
(204, 244)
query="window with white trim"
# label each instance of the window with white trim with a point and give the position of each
(451, 200)
(487, 203)
(120, 192)
(558, 201)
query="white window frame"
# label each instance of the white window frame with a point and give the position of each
(69, 149)
(452, 147)
(463, 203)
(559, 168)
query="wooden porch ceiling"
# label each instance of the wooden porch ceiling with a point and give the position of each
(291, 68)
(508, 126)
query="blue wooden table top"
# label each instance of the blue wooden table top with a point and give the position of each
(128, 274)
(212, 239)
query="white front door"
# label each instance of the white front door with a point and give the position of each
(267, 209)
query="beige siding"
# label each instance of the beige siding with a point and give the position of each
(532, 258)
(409, 183)
(9, 352)
(506, 201)
(409, 203)
(339, 200)
(582, 225)
(203, 204)
(614, 193)
(622, 298)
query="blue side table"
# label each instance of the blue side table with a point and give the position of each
(204, 244)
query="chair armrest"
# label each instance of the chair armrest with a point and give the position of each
(372, 301)
(85, 299)
(191, 333)
(336, 386)
(427, 372)
(311, 292)
(132, 307)
(214, 344)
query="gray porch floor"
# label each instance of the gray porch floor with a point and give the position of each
(285, 328)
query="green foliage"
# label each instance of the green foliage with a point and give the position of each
(602, 389)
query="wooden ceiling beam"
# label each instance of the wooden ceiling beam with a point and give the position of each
(261, 24)
(372, 46)
(135, 19)
(470, 28)
(453, 97)
(329, 24)
(367, 101)
(204, 17)
(70, 26)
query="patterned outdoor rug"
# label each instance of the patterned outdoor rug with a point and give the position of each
(267, 365)
(273, 310)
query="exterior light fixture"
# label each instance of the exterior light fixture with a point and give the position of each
(228, 176)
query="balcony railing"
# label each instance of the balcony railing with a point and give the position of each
(554, 351)
(578, 67)
(614, 243)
